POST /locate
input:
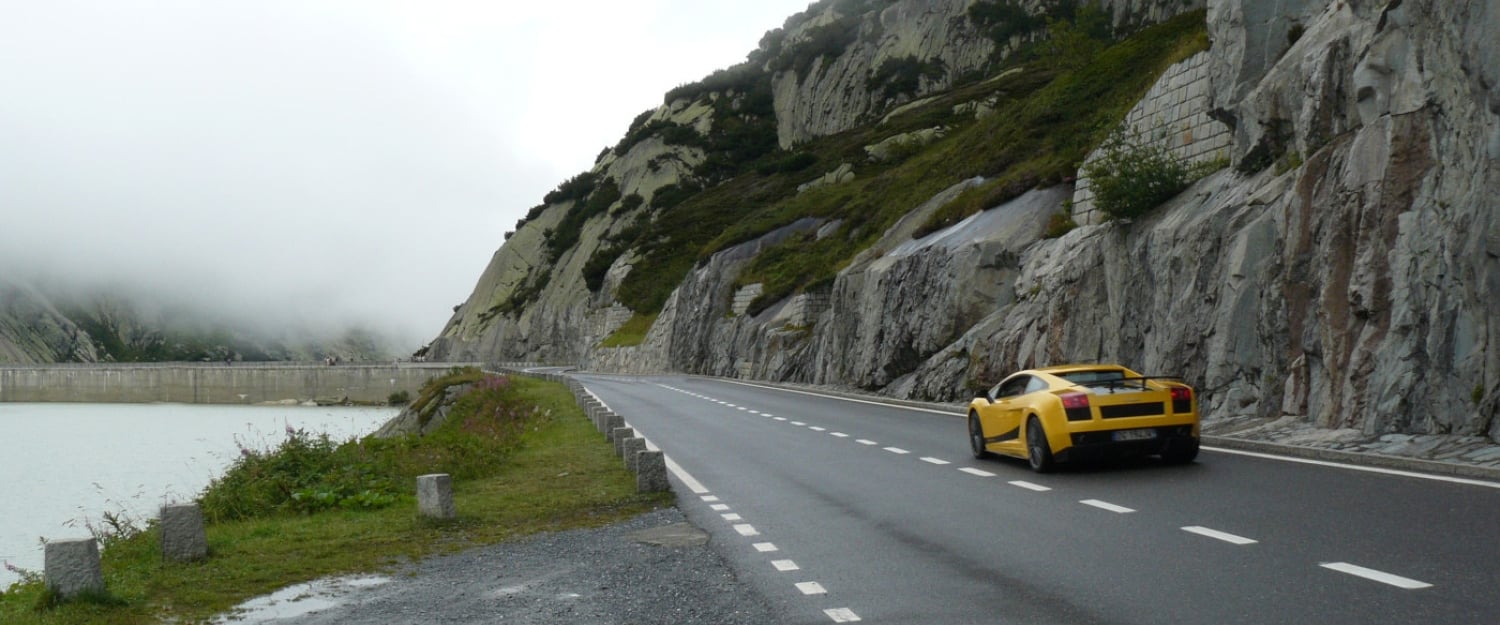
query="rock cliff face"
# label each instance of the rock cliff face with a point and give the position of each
(32, 330)
(1343, 271)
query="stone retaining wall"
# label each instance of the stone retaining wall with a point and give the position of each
(215, 384)
(1174, 113)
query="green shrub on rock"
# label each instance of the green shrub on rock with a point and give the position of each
(1131, 177)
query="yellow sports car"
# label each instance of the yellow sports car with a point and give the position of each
(1070, 412)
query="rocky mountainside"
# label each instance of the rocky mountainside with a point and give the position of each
(883, 197)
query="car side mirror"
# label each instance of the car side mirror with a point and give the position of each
(985, 395)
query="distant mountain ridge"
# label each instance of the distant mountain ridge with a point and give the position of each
(37, 327)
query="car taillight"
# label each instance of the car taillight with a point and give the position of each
(1182, 399)
(1076, 406)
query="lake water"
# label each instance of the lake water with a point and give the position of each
(67, 464)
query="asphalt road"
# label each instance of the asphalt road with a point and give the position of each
(840, 510)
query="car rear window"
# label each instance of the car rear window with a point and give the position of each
(1093, 377)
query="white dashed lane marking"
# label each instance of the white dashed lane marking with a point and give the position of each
(1105, 505)
(811, 588)
(1379, 576)
(837, 615)
(1216, 534)
(842, 615)
(845, 615)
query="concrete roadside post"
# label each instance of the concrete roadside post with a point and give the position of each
(72, 567)
(651, 472)
(611, 423)
(632, 449)
(183, 538)
(435, 496)
(619, 435)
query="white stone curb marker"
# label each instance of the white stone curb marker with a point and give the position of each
(183, 538)
(435, 496)
(72, 567)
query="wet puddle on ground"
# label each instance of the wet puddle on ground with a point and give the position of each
(298, 600)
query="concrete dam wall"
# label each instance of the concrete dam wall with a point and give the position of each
(206, 383)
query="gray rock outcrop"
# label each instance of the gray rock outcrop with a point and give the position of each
(1341, 272)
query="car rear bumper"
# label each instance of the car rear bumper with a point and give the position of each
(1101, 445)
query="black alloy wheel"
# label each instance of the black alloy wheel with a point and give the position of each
(1180, 451)
(1038, 452)
(976, 437)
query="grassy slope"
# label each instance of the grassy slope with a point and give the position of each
(561, 475)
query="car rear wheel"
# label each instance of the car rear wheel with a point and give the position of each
(1180, 451)
(1038, 452)
(976, 437)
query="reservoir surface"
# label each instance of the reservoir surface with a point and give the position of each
(65, 464)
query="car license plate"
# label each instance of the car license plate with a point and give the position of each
(1134, 435)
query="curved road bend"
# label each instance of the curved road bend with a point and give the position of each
(844, 511)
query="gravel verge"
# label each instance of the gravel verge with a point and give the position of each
(654, 568)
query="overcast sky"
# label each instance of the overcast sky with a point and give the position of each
(320, 161)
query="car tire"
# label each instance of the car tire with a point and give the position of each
(1180, 451)
(1038, 452)
(976, 437)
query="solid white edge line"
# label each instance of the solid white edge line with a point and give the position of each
(842, 615)
(1105, 505)
(1029, 486)
(686, 479)
(1355, 467)
(974, 471)
(1374, 575)
(1216, 534)
(848, 399)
